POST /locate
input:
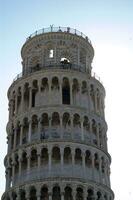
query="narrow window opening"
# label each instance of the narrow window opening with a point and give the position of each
(51, 53)
(33, 99)
(66, 95)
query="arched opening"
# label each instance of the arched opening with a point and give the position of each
(34, 127)
(34, 91)
(33, 194)
(96, 161)
(25, 130)
(78, 157)
(44, 156)
(68, 193)
(66, 92)
(44, 84)
(90, 194)
(55, 83)
(99, 195)
(84, 87)
(102, 164)
(26, 96)
(33, 158)
(56, 193)
(67, 155)
(98, 100)
(86, 124)
(19, 95)
(14, 196)
(88, 160)
(44, 125)
(66, 120)
(79, 194)
(24, 161)
(16, 163)
(44, 193)
(55, 155)
(22, 195)
(92, 95)
(55, 119)
(18, 134)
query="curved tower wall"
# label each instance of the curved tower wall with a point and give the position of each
(57, 133)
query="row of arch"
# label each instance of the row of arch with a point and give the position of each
(57, 192)
(55, 155)
(56, 91)
(57, 125)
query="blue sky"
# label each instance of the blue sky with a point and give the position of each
(109, 25)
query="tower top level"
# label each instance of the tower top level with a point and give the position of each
(57, 47)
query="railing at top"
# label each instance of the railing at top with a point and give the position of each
(56, 66)
(59, 29)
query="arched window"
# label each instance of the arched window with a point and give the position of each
(66, 91)
(67, 155)
(33, 193)
(55, 155)
(56, 193)
(78, 156)
(79, 194)
(88, 160)
(68, 193)
(34, 158)
(24, 161)
(22, 195)
(90, 194)
(44, 156)
(44, 193)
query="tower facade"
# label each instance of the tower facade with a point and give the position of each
(57, 141)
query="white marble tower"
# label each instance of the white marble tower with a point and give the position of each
(57, 133)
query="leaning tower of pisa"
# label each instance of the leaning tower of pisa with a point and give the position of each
(57, 133)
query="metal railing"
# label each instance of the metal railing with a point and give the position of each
(69, 66)
(58, 29)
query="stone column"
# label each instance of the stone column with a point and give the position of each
(73, 160)
(85, 194)
(49, 159)
(39, 128)
(97, 134)
(22, 100)
(15, 136)
(74, 192)
(27, 194)
(50, 127)
(29, 134)
(21, 134)
(78, 56)
(62, 195)
(39, 158)
(93, 167)
(95, 97)
(61, 127)
(16, 103)
(20, 162)
(11, 108)
(50, 196)
(82, 130)
(13, 171)
(38, 193)
(89, 97)
(62, 158)
(30, 97)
